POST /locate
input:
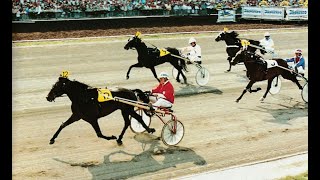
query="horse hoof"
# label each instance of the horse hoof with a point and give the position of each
(262, 98)
(51, 141)
(237, 100)
(119, 142)
(151, 130)
(127, 77)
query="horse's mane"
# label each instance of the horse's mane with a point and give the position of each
(234, 34)
(82, 85)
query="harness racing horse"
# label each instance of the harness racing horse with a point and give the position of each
(233, 45)
(85, 105)
(256, 71)
(151, 57)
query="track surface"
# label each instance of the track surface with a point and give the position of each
(218, 131)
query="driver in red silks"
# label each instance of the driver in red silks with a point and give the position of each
(163, 94)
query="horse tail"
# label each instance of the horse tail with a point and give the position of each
(181, 62)
(183, 65)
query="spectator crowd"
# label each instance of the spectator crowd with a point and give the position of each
(127, 7)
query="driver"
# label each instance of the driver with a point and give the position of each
(298, 62)
(267, 43)
(163, 94)
(193, 51)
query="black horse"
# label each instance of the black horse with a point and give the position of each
(150, 57)
(234, 45)
(86, 106)
(256, 71)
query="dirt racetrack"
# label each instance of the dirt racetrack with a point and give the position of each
(218, 131)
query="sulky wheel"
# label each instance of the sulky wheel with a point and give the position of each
(172, 133)
(202, 76)
(137, 127)
(275, 85)
(175, 74)
(304, 93)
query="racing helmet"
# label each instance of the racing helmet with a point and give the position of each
(266, 34)
(164, 75)
(191, 40)
(298, 51)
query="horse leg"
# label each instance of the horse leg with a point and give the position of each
(140, 120)
(154, 73)
(183, 76)
(292, 78)
(248, 88)
(178, 75)
(230, 63)
(125, 116)
(297, 83)
(96, 128)
(134, 65)
(72, 119)
(268, 88)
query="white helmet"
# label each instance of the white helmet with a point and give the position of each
(298, 51)
(164, 75)
(191, 40)
(266, 34)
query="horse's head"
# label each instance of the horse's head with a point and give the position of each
(58, 89)
(133, 42)
(256, 43)
(221, 36)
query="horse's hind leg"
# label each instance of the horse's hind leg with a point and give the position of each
(248, 87)
(293, 78)
(72, 119)
(297, 83)
(140, 120)
(179, 68)
(125, 116)
(178, 77)
(184, 77)
(154, 73)
(95, 125)
(268, 88)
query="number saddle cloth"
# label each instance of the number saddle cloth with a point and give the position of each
(271, 63)
(104, 95)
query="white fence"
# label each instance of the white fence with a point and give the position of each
(265, 13)
(275, 13)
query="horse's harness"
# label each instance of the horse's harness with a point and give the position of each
(235, 46)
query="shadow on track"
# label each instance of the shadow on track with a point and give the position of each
(153, 159)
